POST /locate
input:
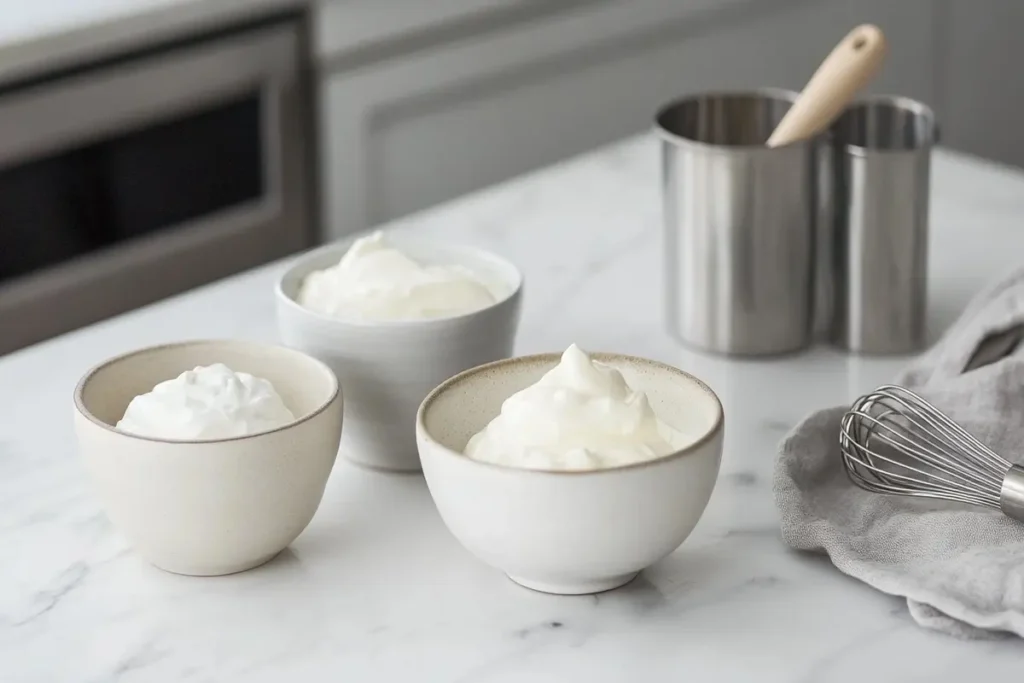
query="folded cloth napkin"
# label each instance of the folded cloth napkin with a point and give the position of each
(961, 568)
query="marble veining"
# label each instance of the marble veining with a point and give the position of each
(377, 590)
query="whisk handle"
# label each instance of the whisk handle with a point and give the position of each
(1011, 497)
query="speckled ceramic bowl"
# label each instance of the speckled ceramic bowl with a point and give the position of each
(569, 532)
(216, 506)
(387, 368)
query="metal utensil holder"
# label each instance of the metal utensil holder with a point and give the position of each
(740, 223)
(879, 238)
(768, 249)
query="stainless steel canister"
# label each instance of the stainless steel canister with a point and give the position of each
(740, 222)
(882, 159)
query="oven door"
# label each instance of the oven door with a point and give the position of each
(127, 183)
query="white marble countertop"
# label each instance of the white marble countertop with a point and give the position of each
(376, 589)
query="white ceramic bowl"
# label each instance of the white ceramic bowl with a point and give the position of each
(387, 368)
(569, 532)
(219, 506)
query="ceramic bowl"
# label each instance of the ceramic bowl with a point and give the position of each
(387, 368)
(218, 506)
(569, 532)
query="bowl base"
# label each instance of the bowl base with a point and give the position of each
(193, 570)
(396, 468)
(576, 587)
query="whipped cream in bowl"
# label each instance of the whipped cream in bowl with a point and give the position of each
(393, 317)
(209, 456)
(581, 415)
(375, 281)
(571, 472)
(207, 402)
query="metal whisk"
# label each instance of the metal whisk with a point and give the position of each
(893, 441)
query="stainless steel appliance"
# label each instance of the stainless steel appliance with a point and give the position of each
(130, 180)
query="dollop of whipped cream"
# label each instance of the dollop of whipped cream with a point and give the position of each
(376, 281)
(209, 402)
(581, 415)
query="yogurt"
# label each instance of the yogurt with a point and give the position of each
(209, 402)
(375, 281)
(581, 415)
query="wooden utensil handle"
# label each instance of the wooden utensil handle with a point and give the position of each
(849, 67)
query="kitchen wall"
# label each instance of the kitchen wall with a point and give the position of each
(424, 102)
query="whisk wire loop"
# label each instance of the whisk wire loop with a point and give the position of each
(893, 441)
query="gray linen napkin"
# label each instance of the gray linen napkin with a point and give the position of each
(960, 568)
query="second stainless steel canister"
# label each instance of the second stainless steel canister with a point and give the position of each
(740, 223)
(880, 228)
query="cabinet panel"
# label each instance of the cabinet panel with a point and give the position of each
(420, 156)
(486, 110)
(373, 84)
(342, 27)
(982, 103)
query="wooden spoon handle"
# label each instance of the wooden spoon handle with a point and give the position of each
(849, 67)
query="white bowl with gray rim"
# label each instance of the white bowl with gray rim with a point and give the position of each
(386, 368)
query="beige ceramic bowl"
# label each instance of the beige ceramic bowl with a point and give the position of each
(387, 368)
(218, 506)
(569, 532)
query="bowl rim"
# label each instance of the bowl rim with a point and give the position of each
(91, 372)
(341, 246)
(553, 357)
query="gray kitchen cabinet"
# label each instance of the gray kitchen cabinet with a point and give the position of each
(982, 96)
(421, 107)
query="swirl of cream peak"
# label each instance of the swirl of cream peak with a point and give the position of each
(209, 402)
(581, 415)
(375, 281)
